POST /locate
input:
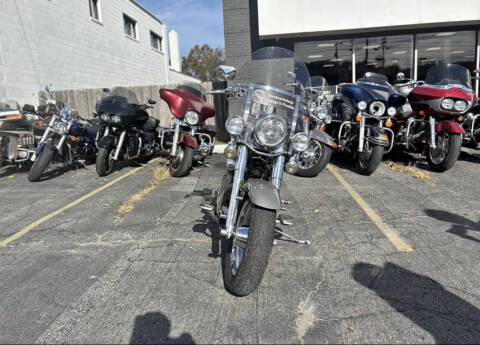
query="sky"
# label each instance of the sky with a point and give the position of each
(196, 21)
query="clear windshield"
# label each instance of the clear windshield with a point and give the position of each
(446, 74)
(122, 95)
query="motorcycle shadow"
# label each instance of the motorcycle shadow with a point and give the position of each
(210, 228)
(62, 170)
(11, 170)
(469, 155)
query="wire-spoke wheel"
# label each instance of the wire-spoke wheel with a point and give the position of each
(313, 161)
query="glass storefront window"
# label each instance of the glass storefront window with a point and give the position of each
(329, 59)
(385, 55)
(445, 47)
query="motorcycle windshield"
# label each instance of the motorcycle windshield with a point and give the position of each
(449, 74)
(118, 100)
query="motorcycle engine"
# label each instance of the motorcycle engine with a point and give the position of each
(133, 145)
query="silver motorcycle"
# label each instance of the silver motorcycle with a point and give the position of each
(266, 107)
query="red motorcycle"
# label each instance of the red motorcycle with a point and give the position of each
(431, 123)
(190, 140)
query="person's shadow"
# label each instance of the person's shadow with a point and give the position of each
(460, 225)
(154, 328)
(447, 317)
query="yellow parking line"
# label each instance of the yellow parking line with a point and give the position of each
(396, 240)
(42, 220)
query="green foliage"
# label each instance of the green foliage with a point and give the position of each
(202, 62)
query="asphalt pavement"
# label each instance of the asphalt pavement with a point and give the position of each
(394, 258)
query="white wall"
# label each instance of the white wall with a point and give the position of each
(286, 17)
(174, 51)
(56, 42)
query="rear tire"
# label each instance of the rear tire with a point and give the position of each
(368, 163)
(320, 164)
(454, 150)
(40, 164)
(248, 276)
(104, 162)
(182, 162)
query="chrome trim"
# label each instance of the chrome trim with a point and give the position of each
(250, 147)
(277, 173)
(45, 134)
(433, 143)
(119, 145)
(361, 136)
(175, 138)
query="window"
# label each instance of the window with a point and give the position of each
(95, 9)
(329, 59)
(445, 47)
(130, 26)
(155, 41)
(385, 55)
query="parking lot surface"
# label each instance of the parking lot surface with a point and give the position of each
(394, 258)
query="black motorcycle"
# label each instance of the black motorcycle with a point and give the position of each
(129, 132)
(362, 127)
(20, 132)
(68, 139)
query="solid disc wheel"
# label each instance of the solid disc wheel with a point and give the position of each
(105, 162)
(40, 164)
(182, 162)
(370, 158)
(314, 160)
(444, 156)
(244, 263)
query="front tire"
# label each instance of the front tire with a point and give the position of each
(105, 162)
(243, 275)
(40, 164)
(314, 161)
(182, 162)
(449, 146)
(370, 158)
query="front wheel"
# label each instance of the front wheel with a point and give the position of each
(314, 160)
(105, 162)
(182, 162)
(370, 158)
(40, 164)
(444, 156)
(245, 263)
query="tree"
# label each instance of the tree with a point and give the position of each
(202, 62)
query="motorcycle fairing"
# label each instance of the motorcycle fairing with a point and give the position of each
(263, 194)
(429, 98)
(449, 126)
(180, 101)
(369, 92)
(322, 137)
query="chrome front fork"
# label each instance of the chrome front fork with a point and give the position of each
(63, 138)
(119, 145)
(175, 138)
(45, 135)
(433, 143)
(361, 136)
(278, 172)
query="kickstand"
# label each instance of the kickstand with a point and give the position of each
(204, 164)
(292, 238)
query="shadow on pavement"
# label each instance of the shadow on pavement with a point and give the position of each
(470, 156)
(447, 317)
(210, 228)
(460, 225)
(154, 328)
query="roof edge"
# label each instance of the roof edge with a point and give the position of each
(147, 11)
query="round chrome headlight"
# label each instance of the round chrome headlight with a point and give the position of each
(328, 120)
(235, 125)
(105, 117)
(59, 127)
(191, 118)
(300, 142)
(362, 105)
(116, 119)
(461, 106)
(377, 108)
(448, 104)
(391, 111)
(270, 130)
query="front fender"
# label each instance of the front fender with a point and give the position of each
(188, 139)
(449, 126)
(263, 194)
(107, 142)
(378, 136)
(322, 137)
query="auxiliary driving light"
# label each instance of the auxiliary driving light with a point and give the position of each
(292, 166)
(230, 151)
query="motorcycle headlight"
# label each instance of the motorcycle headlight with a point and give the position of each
(448, 104)
(235, 125)
(59, 127)
(116, 119)
(377, 108)
(461, 106)
(300, 142)
(105, 117)
(328, 120)
(191, 117)
(362, 105)
(391, 111)
(270, 130)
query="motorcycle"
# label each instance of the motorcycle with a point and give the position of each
(365, 109)
(20, 132)
(190, 140)
(313, 161)
(471, 123)
(67, 139)
(438, 107)
(129, 131)
(267, 136)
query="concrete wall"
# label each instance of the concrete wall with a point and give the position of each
(56, 42)
(284, 18)
(236, 19)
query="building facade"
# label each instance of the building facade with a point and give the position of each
(80, 44)
(341, 40)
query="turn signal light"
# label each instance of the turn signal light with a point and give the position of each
(421, 113)
(359, 117)
(322, 129)
(14, 116)
(460, 119)
(73, 138)
(304, 118)
(40, 123)
(383, 136)
(334, 144)
(389, 123)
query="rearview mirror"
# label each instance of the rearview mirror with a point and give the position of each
(152, 102)
(106, 90)
(227, 72)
